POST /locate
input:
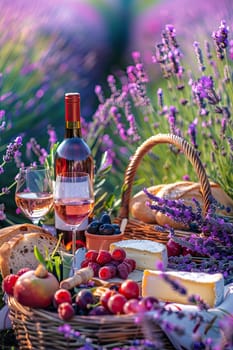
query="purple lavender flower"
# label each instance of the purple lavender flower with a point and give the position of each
(192, 131)
(199, 56)
(186, 177)
(172, 119)
(39, 151)
(160, 98)
(52, 136)
(231, 49)
(2, 213)
(226, 325)
(204, 89)
(221, 39)
(12, 149)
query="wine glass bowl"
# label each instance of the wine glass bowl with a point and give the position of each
(34, 192)
(73, 211)
(73, 200)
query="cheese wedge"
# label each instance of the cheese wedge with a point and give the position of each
(210, 287)
(146, 253)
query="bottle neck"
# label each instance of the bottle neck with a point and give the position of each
(72, 115)
(73, 132)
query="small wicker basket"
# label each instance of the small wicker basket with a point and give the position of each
(38, 329)
(135, 229)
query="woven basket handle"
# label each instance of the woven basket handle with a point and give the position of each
(180, 143)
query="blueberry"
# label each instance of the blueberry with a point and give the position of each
(93, 227)
(105, 219)
(117, 230)
(106, 229)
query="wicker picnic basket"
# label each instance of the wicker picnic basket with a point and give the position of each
(39, 329)
(135, 229)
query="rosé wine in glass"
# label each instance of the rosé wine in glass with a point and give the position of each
(73, 200)
(34, 192)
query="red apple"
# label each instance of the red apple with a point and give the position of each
(36, 288)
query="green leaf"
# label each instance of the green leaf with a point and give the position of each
(57, 263)
(103, 159)
(100, 183)
(110, 201)
(104, 171)
(39, 256)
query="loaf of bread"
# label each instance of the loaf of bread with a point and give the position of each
(9, 232)
(18, 252)
(184, 190)
(138, 208)
(179, 190)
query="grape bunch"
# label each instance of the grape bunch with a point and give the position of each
(118, 299)
(126, 300)
(107, 265)
(103, 226)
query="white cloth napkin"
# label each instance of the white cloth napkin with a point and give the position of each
(5, 322)
(214, 315)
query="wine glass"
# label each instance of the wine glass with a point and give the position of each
(34, 192)
(73, 201)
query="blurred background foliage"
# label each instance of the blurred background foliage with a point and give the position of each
(48, 48)
(51, 47)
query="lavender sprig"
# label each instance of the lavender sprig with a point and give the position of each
(221, 39)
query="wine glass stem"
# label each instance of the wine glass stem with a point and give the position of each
(35, 221)
(74, 248)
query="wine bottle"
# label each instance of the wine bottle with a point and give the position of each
(73, 154)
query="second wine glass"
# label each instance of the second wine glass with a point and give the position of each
(73, 200)
(34, 192)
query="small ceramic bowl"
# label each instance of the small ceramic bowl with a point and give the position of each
(101, 242)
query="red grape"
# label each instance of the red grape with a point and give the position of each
(91, 255)
(65, 311)
(116, 303)
(103, 257)
(187, 251)
(122, 271)
(173, 248)
(118, 254)
(105, 296)
(147, 304)
(84, 298)
(8, 283)
(62, 296)
(105, 273)
(131, 306)
(130, 289)
(99, 310)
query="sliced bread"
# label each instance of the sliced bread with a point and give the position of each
(18, 252)
(9, 232)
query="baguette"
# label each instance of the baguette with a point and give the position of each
(9, 232)
(187, 192)
(138, 208)
(184, 190)
(18, 252)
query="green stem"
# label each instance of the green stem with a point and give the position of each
(9, 188)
